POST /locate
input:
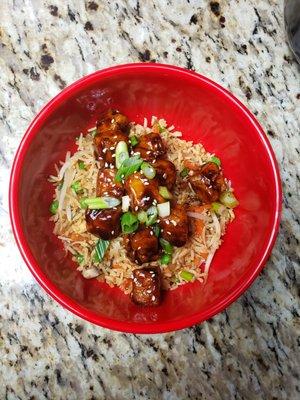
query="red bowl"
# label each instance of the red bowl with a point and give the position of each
(204, 112)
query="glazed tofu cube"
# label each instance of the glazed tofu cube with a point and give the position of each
(146, 286)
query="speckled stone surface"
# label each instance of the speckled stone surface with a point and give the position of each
(250, 351)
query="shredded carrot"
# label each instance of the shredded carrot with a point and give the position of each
(198, 226)
(203, 255)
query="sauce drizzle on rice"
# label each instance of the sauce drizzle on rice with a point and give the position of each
(76, 180)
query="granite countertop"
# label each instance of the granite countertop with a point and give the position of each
(248, 351)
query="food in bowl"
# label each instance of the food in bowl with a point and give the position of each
(139, 207)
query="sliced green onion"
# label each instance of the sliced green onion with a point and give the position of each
(133, 140)
(142, 217)
(128, 167)
(81, 165)
(167, 247)
(148, 170)
(121, 153)
(97, 203)
(228, 199)
(217, 207)
(125, 203)
(96, 258)
(53, 207)
(94, 132)
(164, 192)
(151, 215)
(82, 202)
(184, 172)
(129, 222)
(160, 128)
(156, 230)
(100, 249)
(76, 186)
(164, 209)
(79, 258)
(216, 160)
(165, 259)
(187, 276)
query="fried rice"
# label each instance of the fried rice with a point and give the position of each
(116, 268)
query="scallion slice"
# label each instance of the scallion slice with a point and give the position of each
(217, 207)
(121, 153)
(151, 215)
(79, 258)
(156, 230)
(167, 247)
(129, 222)
(228, 199)
(100, 249)
(53, 207)
(164, 192)
(76, 186)
(81, 164)
(125, 203)
(165, 259)
(97, 203)
(187, 276)
(164, 209)
(216, 160)
(148, 170)
(160, 128)
(142, 217)
(133, 140)
(128, 167)
(94, 132)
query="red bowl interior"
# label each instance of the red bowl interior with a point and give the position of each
(205, 113)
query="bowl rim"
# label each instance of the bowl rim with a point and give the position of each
(50, 287)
